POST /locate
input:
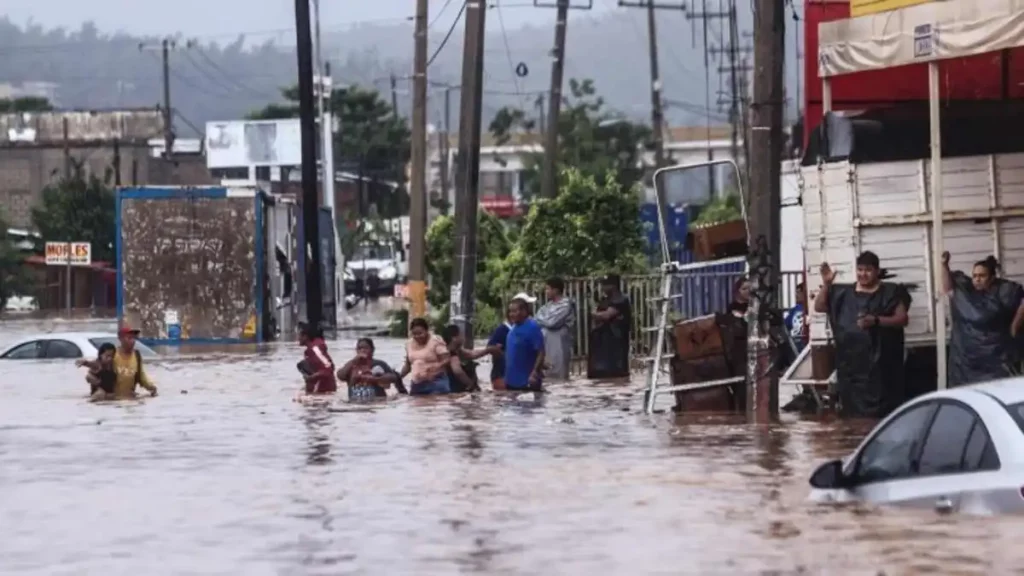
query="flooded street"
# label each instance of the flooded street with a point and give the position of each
(225, 474)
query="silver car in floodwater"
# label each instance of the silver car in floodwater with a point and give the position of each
(959, 450)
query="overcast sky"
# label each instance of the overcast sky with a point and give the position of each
(214, 19)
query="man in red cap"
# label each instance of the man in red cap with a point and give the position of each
(128, 365)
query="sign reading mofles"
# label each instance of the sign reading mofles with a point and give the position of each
(57, 253)
(865, 7)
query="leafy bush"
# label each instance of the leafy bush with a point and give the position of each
(591, 228)
(492, 247)
(721, 209)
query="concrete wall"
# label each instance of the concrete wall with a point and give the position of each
(32, 154)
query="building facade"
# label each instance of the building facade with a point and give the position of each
(504, 168)
(38, 148)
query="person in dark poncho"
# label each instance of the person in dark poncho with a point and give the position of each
(987, 314)
(608, 356)
(867, 320)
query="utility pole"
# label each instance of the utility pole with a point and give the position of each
(165, 47)
(418, 186)
(310, 192)
(67, 177)
(735, 98)
(541, 125)
(549, 184)
(463, 291)
(767, 140)
(394, 90)
(168, 119)
(704, 16)
(444, 145)
(657, 117)
(324, 95)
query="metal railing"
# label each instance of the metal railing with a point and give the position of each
(703, 292)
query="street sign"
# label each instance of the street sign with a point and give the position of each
(57, 253)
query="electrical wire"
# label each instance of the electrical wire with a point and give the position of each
(508, 54)
(448, 35)
(440, 12)
(224, 73)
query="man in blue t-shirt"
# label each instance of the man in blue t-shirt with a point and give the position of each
(524, 349)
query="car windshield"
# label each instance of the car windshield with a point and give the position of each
(146, 351)
(372, 252)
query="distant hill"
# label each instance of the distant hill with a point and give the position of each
(215, 82)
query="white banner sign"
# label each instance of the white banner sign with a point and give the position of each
(57, 253)
(239, 144)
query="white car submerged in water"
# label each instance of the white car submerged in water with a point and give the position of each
(65, 345)
(954, 450)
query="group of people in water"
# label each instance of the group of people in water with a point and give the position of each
(868, 319)
(526, 350)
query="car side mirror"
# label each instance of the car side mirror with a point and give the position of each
(829, 476)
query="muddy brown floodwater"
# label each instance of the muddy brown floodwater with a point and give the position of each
(224, 474)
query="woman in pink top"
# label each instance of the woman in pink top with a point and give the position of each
(426, 357)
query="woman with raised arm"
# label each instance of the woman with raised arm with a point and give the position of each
(867, 320)
(987, 315)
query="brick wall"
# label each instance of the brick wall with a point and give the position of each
(26, 170)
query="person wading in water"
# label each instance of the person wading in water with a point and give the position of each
(867, 320)
(496, 350)
(558, 319)
(608, 356)
(987, 315)
(316, 366)
(524, 349)
(368, 378)
(426, 359)
(126, 365)
(101, 377)
(461, 368)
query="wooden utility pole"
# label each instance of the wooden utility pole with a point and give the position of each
(444, 146)
(168, 115)
(468, 170)
(310, 192)
(165, 47)
(418, 185)
(394, 84)
(657, 117)
(766, 143)
(549, 184)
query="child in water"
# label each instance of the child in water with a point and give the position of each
(101, 376)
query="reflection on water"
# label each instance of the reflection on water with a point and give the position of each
(236, 478)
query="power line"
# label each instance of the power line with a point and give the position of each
(447, 3)
(444, 41)
(508, 51)
(225, 74)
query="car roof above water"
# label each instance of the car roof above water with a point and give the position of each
(1008, 390)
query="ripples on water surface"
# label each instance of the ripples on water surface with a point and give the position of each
(235, 478)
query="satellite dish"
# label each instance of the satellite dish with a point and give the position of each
(522, 70)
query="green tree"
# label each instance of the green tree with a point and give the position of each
(593, 227)
(373, 142)
(14, 278)
(25, 104)
(591, 139)
(492, 247)
(78, 208)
